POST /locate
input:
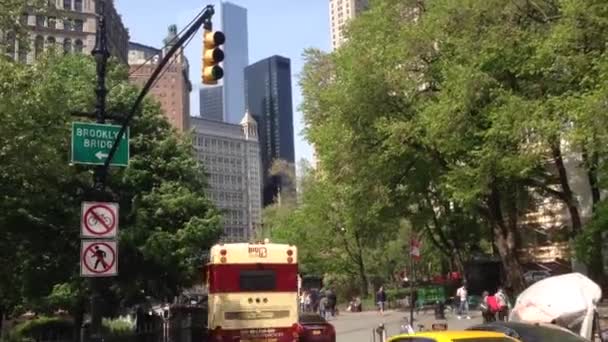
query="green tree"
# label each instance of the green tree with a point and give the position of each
(453, 109)
(167, 222)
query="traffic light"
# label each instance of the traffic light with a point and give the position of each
(212, 56)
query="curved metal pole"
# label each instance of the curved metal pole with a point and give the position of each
(205, 17)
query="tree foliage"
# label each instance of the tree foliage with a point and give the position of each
(459, 115)
(166, 221)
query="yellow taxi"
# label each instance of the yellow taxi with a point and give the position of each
(453, 336)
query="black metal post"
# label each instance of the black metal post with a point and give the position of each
(101, 54)
(412, 279)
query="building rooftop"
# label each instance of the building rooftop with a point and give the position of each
(248, 119)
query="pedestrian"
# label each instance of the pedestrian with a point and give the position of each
(303, 301)
(332, 300)
(381, 299)
(314, 300)
(307, 303)
(323, 307)
(463, 296)
(488, 307)
(503, 303)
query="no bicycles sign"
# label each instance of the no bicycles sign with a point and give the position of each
(99, 220)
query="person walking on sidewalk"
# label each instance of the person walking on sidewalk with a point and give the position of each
(463, 295)
(489, 307)
(503, 303)
(381, 300)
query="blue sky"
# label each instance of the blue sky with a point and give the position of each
(276, 27)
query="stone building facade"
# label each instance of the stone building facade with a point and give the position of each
(71, 26)
(230, 155)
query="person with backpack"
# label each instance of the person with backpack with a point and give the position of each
(503, 304)
(488, 307)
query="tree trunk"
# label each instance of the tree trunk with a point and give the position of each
(567, 191)
(361, 266)
(505, 234)
(596, 264)
(356, 256)
(508, 257)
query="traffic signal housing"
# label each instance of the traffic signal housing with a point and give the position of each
(212, 56)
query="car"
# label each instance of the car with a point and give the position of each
(314, 328)
(453, 336)
(530, 332)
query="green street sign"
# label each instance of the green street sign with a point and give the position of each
(91, 144)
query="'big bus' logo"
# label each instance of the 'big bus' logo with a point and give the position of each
(258, 252)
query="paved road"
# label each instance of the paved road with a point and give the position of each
(357, 327)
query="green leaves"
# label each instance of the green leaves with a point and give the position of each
(167, 222)
(446, 114)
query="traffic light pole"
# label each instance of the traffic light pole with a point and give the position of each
(101, 55)
(205, 17)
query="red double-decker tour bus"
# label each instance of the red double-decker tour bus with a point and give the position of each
(253, 292)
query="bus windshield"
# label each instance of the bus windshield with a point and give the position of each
(258, 280)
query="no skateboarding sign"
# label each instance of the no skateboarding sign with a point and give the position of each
(99, 220)
(98, 258)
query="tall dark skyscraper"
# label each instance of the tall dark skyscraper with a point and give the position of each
(268, 98)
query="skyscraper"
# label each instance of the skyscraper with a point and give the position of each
(268, 90)
(233, 22)
(340, 11)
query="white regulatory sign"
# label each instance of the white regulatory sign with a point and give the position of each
(99, 220)
(98, 258)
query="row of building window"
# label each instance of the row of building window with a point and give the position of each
(222, 179)
(76, 25)
(40, 45)
(234, 234)
(216, 145)
(69, 5)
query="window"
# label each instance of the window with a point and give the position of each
(24, 19)
(68, 25)
(78, 46)
(50, 42)
(52, 22)
(38, 46)
(40, 21)
(78, 25)
(22, 55)
(78, 5)
(67, 5)
(67, 45)
(257, 280)
(10, 44)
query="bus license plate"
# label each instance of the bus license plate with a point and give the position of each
(316, 332)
